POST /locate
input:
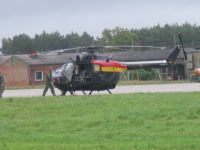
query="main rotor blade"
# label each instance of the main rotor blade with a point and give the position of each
(70, 50)
(80, 49)
(92, 49)
(130, 47)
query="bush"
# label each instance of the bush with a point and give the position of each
(147, 74)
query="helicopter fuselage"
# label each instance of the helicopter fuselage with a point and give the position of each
(93, 82)
(94, 75)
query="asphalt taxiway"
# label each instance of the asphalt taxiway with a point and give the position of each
(181, 87)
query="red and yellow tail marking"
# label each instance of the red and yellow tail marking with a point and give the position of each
(110, 66)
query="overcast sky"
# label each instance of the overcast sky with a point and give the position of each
(66, 16)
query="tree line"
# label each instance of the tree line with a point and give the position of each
(164, 36)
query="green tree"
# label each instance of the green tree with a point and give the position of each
(20, 44)
(7, 47)
(48, 41)
(107, 37)
(118, 36)
(86, 39)
(166, 35)
(72, 40)
(124, 37)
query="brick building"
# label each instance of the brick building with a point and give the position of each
(25, 70)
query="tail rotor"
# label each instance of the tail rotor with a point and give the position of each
(181, 40)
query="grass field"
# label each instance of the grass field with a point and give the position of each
(117, 122)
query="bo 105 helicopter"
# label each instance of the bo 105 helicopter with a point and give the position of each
(92, 72)
(88, 72)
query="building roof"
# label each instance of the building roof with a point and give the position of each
(4, 58)
(44, 59)
(192, 50)
(142, 55)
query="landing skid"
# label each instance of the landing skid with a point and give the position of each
(63, 93)
(90, 92)
(109, 91)
(98, 91)
(84, 93)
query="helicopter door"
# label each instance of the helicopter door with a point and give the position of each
(68, 71)
(85, 72)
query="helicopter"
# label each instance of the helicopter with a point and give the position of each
(88, 72)
(91, 71)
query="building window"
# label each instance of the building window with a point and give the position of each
(38, 76)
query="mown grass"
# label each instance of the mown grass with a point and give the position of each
(119, 122)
